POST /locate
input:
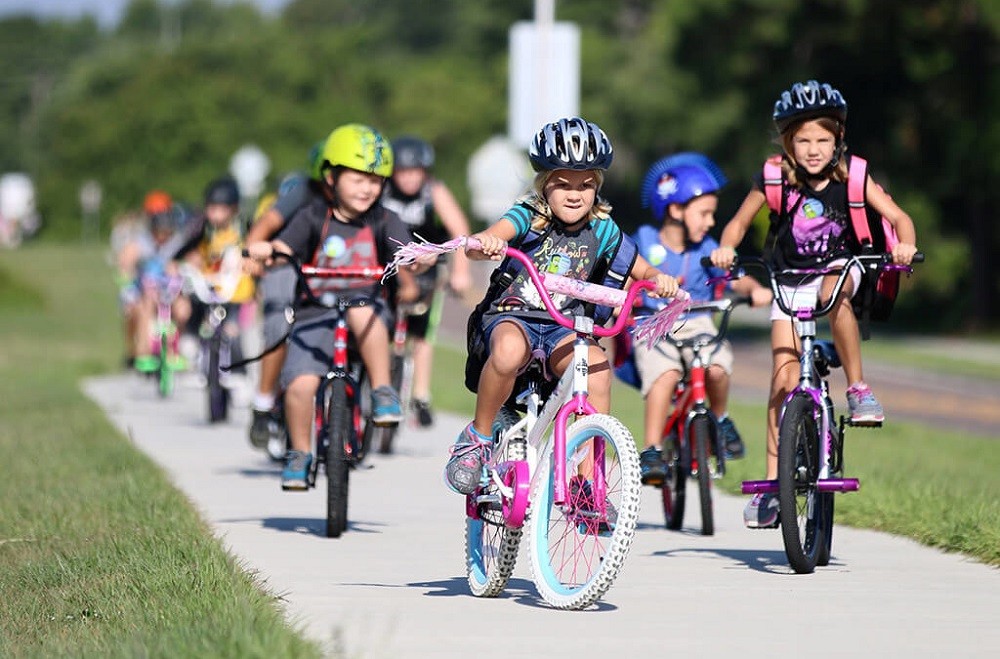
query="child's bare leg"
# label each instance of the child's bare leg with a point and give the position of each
(372, 337)
(847, 339)
(509, 352)
(423, 355)
(299, 400)
(717, 390)
(658, 406)
(784, 373)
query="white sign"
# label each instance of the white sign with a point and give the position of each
(90, 196)
(544, 77)
(498, 173)
(249, 166)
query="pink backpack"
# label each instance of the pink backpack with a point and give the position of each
(877, 294)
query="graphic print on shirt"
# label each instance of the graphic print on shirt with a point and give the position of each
(817, 230)
(355, 249)
(569, 257)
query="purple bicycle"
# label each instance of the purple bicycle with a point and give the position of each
(577, 485)
(810, 436)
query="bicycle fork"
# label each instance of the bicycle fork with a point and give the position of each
(592, 461)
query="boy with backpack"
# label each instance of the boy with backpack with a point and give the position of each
(812, 228)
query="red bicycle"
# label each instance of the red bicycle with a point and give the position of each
(692, 444)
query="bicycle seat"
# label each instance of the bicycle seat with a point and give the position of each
(825, 353)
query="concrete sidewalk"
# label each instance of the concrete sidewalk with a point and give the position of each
(394, 584)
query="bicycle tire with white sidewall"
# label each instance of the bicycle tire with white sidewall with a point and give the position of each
(549, 522)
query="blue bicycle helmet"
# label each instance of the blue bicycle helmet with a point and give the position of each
(808, 100)
(678, 179)
(571, 143)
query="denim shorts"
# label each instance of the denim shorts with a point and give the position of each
(540, 335)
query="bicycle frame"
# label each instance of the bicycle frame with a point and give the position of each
(570, 394)
(810, 447)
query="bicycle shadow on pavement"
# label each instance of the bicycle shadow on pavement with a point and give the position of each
(305, 525)
(760, 560)
(521, 591)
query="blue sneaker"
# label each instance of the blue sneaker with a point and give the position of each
(295, 476)
(386, 410)
(651, 467)
(731, 439)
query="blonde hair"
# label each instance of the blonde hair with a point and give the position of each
(788, 164)
(543, 214)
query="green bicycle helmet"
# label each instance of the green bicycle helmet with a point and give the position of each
(358, 147)
(315, 161)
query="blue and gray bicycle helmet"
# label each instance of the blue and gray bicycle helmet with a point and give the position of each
(678, 179)
(570, 143)
(222, 191)
(808, 100)
(411, 152)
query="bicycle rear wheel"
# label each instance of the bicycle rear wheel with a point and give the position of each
(800, 508)
(340, 424)
(825, 549)
(490, 545)
(674, 490)
(579, 546)
(218, 396)
(164, 370)
(701, 435)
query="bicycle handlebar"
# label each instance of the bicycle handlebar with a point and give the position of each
(582, 290)
(341, 272)
(874, 262)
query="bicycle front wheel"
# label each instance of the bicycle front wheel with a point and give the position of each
(340, 424)
(701, 436)
(800, 503)
(579, 546)
(490, 545)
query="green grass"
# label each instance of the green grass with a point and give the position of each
(937, 487)
(99, 554)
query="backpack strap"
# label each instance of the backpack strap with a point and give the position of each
(857, 176)
(773, 183)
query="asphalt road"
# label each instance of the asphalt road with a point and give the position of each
(394, 584)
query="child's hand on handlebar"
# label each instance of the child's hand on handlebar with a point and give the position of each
(723, 257)
(666, 286)
(902, 253)
(261, 251)
(490, 247)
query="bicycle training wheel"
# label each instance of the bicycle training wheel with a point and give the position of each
(701, 436)
(674, 490)
(800, 507)
(579, 546)
(340, 425)
(490, 545)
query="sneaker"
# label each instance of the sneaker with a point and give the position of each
(423, 410)
(762, 511)
(262, 428)
(581, 499)
(385, 407)
(864, 408)
(464, 470)
(277, 448)
(731, 439)
(295, 476)
(652, 469)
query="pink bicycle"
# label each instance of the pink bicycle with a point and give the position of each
(577, 485)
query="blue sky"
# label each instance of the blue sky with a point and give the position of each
(107, 12)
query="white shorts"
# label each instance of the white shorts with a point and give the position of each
(806, 294)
